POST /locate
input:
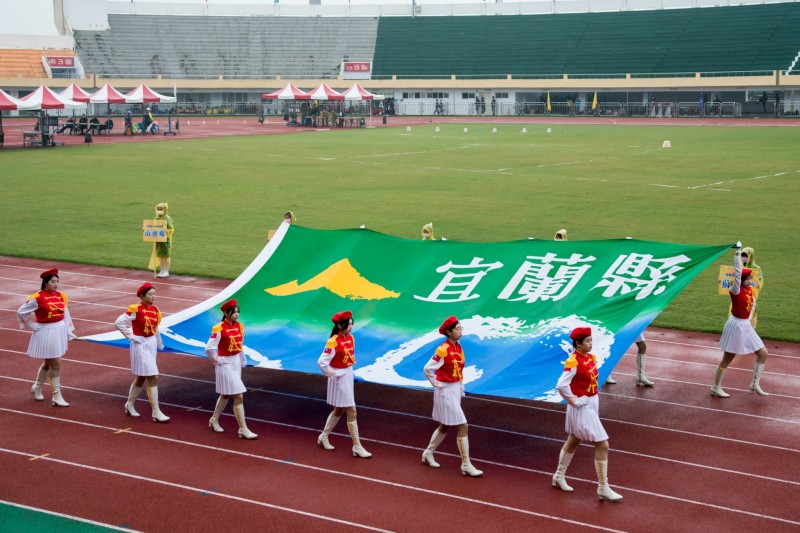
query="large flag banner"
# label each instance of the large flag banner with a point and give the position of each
(517, 302)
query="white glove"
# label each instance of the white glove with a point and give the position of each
(35, 326)
(243, 359)
(438, 384)
(137, 340)
(738, 245)
(214, 359)
(579, 402)
(161, 346)
(72, 337)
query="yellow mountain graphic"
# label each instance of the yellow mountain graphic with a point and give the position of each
(341, 279)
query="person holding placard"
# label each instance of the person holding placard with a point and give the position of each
(738, 335)
(139, 324)
(46, 314)
(336, 362)
(225, 348)
(162, 251)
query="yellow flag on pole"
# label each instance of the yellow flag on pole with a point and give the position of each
(549, 108)
(594, 101)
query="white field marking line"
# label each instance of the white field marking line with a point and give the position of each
(133, 280)
(69, 516)
(198, 490)
(122, 293)
(73, 302)
(700, 385)
(400, 485)
(742, 179)
(660, 185)
(714, 347)
(295, 464)
(713, 364)
(411, 415)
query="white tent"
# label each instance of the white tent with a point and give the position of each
(75, 93)
(357, 92)
(145, 95)
(322, 92)
(290, 92)
(107, 95)
(44, 98)
(8, 102)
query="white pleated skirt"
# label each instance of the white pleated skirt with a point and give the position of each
(584, 422)
(340, 388)
(739, 337)
(447, 404)
(228, 373)
(143, 357)
(50, 342)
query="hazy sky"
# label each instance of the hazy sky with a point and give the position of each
(17, 18)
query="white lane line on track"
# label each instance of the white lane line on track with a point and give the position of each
(68, 516)
(294, 464)
(412, 487)
(122, 294)
(487, 428)
(196, 490)
(149, 276)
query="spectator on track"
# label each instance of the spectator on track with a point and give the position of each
(336, 362)
(578, 387)
(445, 372)
(46, 314)
(225, 348)
(738, 335)
(139, 324)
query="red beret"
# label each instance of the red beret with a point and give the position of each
(341, 317)
(51, 272)
(143, 289)
(228, 305)
(448, 323)
(746, 272)
(578, 334)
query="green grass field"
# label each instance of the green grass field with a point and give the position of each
(713, 186)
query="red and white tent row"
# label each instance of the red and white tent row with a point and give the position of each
(45, 98)
(8, 102)
(357, 92)
(290, 92)
(322, 92)
(145, 95)
(75, 93)
(107, 95)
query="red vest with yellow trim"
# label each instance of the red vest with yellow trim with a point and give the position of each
(231, 338)
(343, 348)
(148, 317)
(51, 306)
(742, 303)
(584, 382)
(453, 368)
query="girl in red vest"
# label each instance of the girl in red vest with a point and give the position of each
(445, 371)
(578, 386)
(225, 348)
(46, 314)
(139, 324)
(336, 362)
(738, 335)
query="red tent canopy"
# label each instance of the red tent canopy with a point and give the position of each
(44, 98)
(75, 93)
(290, 92)
(107, 95)
(145, 95)
(8, 102)
(357, 92)
(322, 92)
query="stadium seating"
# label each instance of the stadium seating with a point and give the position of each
(19, 63)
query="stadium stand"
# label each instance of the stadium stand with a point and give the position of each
(734, 39)
(21, 63)
(182, 47)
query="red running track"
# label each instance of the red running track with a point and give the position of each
(685, 461)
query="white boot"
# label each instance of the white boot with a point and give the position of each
(58, 400)
(755, 385)
(222, 402)
(611, 381)
(466, 466)
(244, 432)
(358, 450)
(41, 379)
(158, 416)
(133, 393)
(564, 459)
(641, 379)
(716, 388)
(322, 440)
(604, 492)
(163, 270)
(427, 455)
